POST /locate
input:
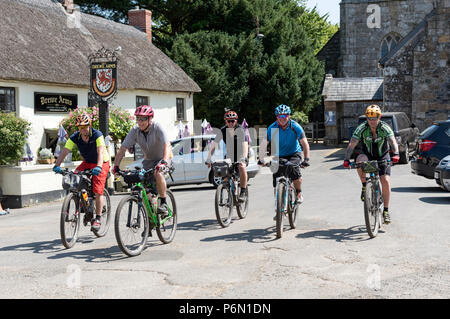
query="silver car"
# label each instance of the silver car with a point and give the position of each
(189, 156)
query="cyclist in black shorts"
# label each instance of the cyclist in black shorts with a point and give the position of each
(236, 142)
(375, 136)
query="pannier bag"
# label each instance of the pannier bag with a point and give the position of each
(221, 169)
(71, 181)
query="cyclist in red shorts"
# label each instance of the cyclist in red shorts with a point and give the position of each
(91, 144)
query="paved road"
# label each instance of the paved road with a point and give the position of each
(329, 255)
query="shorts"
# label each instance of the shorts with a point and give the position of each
(98, 182)
(295, 173)
(383, 169)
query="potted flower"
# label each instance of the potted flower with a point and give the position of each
(46, 156)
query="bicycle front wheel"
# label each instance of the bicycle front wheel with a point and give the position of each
(131, 226)
(371, 209)
(106, 215)
(70, 220)
(223, 205)
(168, 226)
(293, 208)
(281, 208)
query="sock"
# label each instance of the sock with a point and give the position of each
(163, 200)
(386, 209)
(364, 184)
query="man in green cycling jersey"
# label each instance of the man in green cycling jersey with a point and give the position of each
(375, 137)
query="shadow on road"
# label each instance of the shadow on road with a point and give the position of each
(435, 200)
(202, 225)
(355, 233)
(41, 247)
(414, 189)
(251, 235)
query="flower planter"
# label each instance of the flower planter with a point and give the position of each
(46, 161)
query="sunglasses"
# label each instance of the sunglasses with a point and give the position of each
(82, 127)
(372, 118)
(282, 116)
(231, 121)
(141, 119)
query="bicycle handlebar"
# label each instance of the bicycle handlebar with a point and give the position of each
(358, 165)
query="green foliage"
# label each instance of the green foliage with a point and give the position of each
(13, 136)
(300, 117)
(214, 42)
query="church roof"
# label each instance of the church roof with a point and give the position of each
(352, 89)
(41, 42)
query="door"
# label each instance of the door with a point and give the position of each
(194, 163)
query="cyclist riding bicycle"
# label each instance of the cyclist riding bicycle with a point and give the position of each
(155, 145)
(288, 140)
(375, 136)
(236, 147)
(91, 145)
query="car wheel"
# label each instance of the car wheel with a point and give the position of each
(404, 157)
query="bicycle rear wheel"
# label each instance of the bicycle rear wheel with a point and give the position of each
(242, 208)
(281, 208)
(166, 230)
(69, 225)
(131, 226)
(371, 209)
(223, 205)
(106, 215)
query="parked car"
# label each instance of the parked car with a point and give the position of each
(442, 173)
(405, 133)
(432, 146)
(189, 156)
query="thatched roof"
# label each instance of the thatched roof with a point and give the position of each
(40, 43)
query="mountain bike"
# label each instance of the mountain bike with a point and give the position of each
(137, 214)
(228, 191)
(80, 199)
(285, 194)
(373, 197)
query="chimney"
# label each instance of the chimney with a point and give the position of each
(142, 20)
(68, 5)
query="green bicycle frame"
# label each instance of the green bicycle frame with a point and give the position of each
(148, 206)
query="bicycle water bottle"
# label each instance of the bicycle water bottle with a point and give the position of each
(154, 202)
(235, 188)
(84, 194)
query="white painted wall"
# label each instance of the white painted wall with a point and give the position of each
(164, 104)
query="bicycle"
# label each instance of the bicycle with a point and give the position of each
(373, 197)
(228, 191)
(80, 200)
(138, 214)
(285, 194)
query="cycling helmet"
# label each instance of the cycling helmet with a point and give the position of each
(144, 110)
(373, 111)
(230, 115)
(83, 119)
(282, 109)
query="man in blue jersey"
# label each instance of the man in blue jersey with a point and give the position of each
(288, 140)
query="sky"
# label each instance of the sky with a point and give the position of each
(326, 6)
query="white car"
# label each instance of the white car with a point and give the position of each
(189, 156)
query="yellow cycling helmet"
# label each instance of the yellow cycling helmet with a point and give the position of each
(373, 111)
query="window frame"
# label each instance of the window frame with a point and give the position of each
(6, 108)
(183, 117)
(138, 100)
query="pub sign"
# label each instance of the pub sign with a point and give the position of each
(104, 79)
(55, 102)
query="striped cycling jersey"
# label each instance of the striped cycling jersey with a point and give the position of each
(375, 147)
(88, 150)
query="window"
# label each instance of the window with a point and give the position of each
(181, 112)
(141, 100)
(7, 99)
(389, 42)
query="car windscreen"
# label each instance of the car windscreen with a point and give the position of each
(388, 120)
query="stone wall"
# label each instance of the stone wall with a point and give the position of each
(330, 55)
(361, 43)
(431, 75)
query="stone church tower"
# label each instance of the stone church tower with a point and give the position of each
(394, 53)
